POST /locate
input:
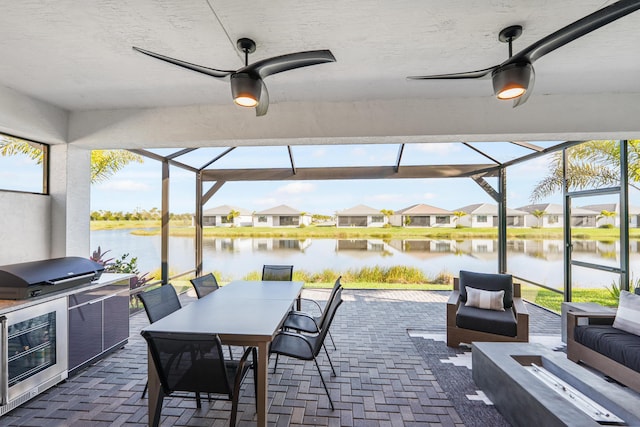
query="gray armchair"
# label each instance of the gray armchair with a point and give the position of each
(466, 323)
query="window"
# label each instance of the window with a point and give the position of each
(442, 220)
(554, 219)
(262, 218)
(224, 219)
(482, 218)
(289, 220)
(23, 165)
(377, 218)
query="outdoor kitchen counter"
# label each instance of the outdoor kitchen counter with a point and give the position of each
(7, 306)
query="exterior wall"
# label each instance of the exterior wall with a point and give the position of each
(217, 221)
(547, 221)
(26, 227)
(368, 222)
(70, 190)
(268, 221)
(480, 221)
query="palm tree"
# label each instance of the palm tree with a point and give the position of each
(607, 214)
(458, 215)
(104, 163)
(231, 217)
(387, 213)
(592, 164)
(538, 214)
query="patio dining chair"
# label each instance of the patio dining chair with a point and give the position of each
(277, 272)
(307, 347)
(304, 322)
(204, 285)
(195, 363)
(158, 303)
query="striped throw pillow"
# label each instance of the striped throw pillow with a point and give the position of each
(628, 314)
(487, 300)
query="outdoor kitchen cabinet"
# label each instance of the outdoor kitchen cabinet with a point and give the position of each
(98, 322)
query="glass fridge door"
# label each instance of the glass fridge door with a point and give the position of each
(31, 347)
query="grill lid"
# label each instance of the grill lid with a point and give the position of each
(49, 272)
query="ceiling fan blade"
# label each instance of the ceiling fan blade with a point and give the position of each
(522, 99)
(478, 74)
(194, 67)
(263, 103)
(278, 64)
(575, 30)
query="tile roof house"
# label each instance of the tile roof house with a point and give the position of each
(360, 216)
(553, 216)
(486, 215)
(634, 214)
(219, 217)
(421, 215)
(281, 216)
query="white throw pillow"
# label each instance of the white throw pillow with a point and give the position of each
(628, 315)
(487, 300)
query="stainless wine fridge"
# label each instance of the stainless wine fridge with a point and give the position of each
(33, 351)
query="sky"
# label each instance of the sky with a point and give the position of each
(138, 186)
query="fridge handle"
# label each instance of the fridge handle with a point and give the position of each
(4, 358)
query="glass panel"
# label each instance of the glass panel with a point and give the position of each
(32, 347)
(22, 166)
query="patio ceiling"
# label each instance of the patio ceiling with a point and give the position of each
(76, 58)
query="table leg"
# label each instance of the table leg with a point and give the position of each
(153, 390)
(263, 383)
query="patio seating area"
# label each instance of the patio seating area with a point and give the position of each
(382, 378)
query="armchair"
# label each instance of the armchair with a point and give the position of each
(466, 322)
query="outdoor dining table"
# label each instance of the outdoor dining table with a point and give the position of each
(246, 313)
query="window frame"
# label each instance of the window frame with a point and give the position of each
(45, 167)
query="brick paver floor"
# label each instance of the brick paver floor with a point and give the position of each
(382, 380)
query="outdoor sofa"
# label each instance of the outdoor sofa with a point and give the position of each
(593, 340)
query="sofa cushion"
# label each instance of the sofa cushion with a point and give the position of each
(628, 314)
(488, 282)
(487, 300)
(616, 344)
(493, 322)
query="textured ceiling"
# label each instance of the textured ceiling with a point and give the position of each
(77, 54)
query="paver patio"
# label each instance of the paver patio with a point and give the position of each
(382, 379)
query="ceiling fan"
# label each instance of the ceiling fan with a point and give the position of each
(514, 78)
(247, 85)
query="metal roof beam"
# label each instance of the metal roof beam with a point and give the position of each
(482, 153)
(293, 165)
(215, 159)
(527, 145)
(367, 172)
(160, 158)
(399, 157)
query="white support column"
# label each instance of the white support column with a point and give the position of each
(70, 192)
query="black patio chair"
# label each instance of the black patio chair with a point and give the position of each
(204, 285)
(195, 363)
(305, 322)
(158, 303)
(307, 347)
(277, 272)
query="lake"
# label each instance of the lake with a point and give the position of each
(538, 260)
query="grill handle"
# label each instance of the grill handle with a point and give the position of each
(4, 358)
(70, 279)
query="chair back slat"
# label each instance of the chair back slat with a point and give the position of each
(204, 285)
(277, 272)
(189, 362)
(160, 302)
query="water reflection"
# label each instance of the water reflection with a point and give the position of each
(537, 260)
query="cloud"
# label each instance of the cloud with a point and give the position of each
(429, 196)
(124, 185)
(321, 152)
(296, 188)
(267, 201)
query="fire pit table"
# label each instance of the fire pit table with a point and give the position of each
(533, 386)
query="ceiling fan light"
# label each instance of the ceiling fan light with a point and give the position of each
(512, 80)
(245, 89)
